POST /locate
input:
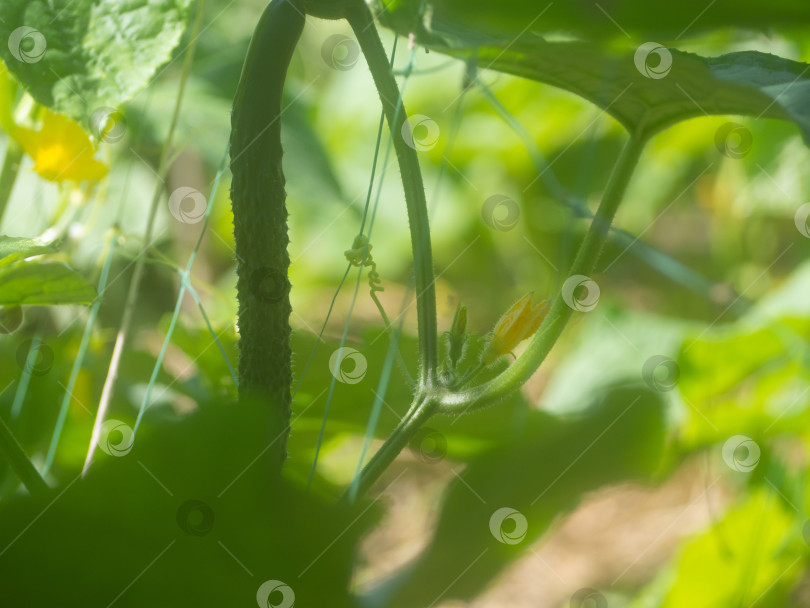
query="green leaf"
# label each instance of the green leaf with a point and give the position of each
(750, 557)
(752, 374)
(84, 57)
(745, 83)
(195, 501)
(594, 18)
(742, 379)
(35, 283)
(742, 383)
(13, 248)
(541, 474)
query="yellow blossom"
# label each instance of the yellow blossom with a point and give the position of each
(61, 150)
(518, 323)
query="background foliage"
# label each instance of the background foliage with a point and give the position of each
(601, 436)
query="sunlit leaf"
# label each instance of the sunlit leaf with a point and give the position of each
(84, 57)
(34, 283)
(750, 557)
(14, 247)
(645, 86)
(750, 375)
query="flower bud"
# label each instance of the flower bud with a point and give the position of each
(457, 336)
(521, 321)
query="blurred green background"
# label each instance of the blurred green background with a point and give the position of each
(678, 521)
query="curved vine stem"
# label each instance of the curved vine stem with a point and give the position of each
(421, 411)
(454, 403)
(362, 22)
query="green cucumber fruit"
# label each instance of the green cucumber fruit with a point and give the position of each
(260, 217)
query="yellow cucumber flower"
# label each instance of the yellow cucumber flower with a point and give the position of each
(521, 321)
(61, 150)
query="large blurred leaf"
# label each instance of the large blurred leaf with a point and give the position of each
(747, 83)
(35, 283)
(540, 474)
(191, 516)
(595, 18)
(79, 57)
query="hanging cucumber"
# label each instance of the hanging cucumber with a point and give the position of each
(260, 218)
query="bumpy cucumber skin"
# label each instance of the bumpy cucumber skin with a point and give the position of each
(260, 218)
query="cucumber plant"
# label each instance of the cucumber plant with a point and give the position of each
(196, 490)
(638, 96)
